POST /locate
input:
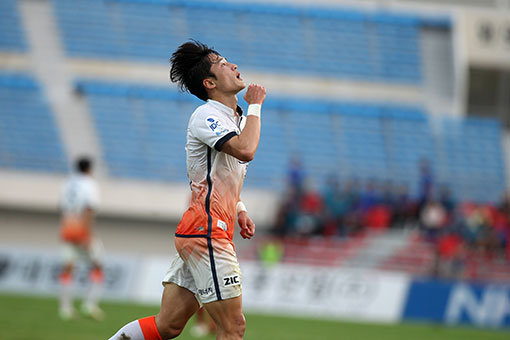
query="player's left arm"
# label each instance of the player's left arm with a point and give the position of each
(88, 216)
(245, 222)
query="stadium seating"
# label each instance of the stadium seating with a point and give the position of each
(333, 252)
(142, 130)
(29, 139)
(418, 258)
(329, 43)
(405, 252)
(472, 156)
(11, 32)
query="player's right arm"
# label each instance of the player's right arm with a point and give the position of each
(91, 203)
(244, 145)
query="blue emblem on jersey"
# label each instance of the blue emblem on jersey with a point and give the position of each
(215, 125)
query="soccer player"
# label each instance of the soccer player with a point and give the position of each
(204, 324)
(79, 200)
(220, 143)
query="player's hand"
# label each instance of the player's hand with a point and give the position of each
(256, 94)
(246, 224)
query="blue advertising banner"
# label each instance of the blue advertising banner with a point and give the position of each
(485, 305)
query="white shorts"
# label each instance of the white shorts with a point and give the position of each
(207, 268)
(72, 252)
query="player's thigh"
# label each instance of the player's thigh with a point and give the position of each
(70, 253)
(178, 304)
(95, 252)
(214, 267)
(227, 313)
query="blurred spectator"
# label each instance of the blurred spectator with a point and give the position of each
(463, 233)
(389, 194)
(405, 209)
(369, 197)
(378, 217)
(504, 222)
(310, 218)
(204, 325)
(446, 199)
(270, 252)
(335, 206)
(426, 184)
(473, 225)
(450, 256)
(352, 218)
(376, 205)
(433, 218)
(296, 174)
(287, 212)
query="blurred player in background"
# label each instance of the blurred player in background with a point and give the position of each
(79, 200)
(204, 324)
(220, 143)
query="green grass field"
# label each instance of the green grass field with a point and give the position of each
(31, 318)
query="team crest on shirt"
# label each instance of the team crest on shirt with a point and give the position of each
(215, 125)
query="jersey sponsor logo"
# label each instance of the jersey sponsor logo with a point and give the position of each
(233, 280)
(222, 225)
(206, 291)
(215, 125)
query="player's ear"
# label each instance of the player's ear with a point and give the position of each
(209, 83)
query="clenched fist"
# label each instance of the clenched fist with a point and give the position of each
(256, 94)
(246, 224)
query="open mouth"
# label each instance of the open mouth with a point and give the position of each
(239, 76)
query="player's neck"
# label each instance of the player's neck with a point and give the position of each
(227, 100)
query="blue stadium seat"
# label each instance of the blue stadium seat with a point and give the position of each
(12, 37)
(142, 130)
(270, 38)
(29, 138)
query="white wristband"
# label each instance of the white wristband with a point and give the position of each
(240, 207)
(254, 110)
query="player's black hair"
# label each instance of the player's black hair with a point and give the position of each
(190, 66)
(83, 165)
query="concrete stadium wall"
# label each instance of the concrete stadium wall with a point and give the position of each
(139, 200)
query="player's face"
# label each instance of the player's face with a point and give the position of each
(228, 79)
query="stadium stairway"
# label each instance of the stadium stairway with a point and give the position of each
(412, 255)
(417, 257)
(51, 69)
(366, 250)
(377, 246)
(316, 251)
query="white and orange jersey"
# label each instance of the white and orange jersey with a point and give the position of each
(215, 177)
(78, 194)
